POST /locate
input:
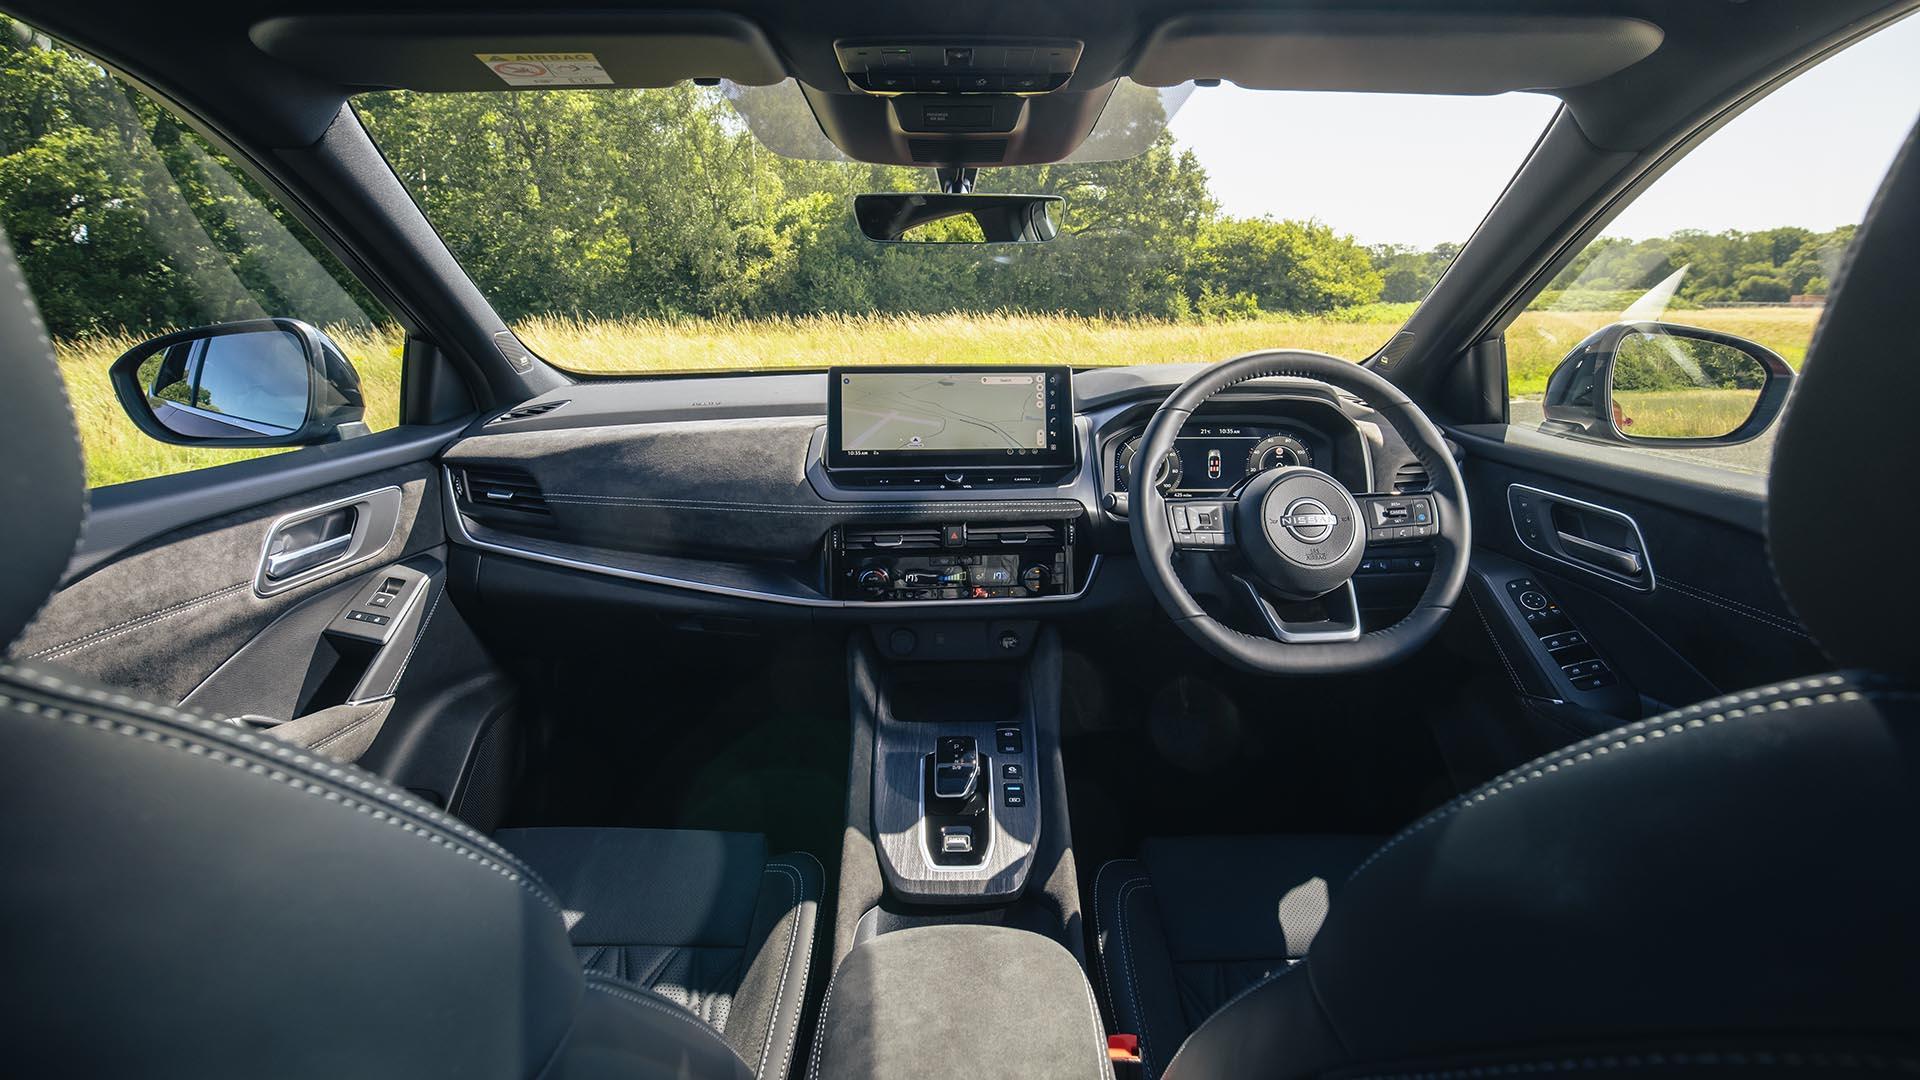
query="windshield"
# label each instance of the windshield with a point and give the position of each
(634, 231)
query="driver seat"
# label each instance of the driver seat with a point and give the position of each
(1727, 888)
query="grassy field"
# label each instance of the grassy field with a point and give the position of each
(1684, 414)
(117, 451)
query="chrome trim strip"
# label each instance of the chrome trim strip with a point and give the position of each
(1600, 572)
(457, 526)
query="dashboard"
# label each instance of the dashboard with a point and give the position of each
(839, 494)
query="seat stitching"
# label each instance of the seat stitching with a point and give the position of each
(1103, 1065)
(1106, 967)
(329, 769)
(87, 641)
(615, 988)
(793, 885)
(1235, 1000)
(1664, 1059)
(232, 757)
(820, 1032)
(806, 965)
(1639, 733)
(1127, 889)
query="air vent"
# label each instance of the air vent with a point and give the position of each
(526, 411)
(494, 493)
(1035, 533)
(892, 538)
(1410, 478)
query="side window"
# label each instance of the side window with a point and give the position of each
(129, 225)
(1741, 239)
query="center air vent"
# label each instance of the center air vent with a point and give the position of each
(501, 495)
(527, 411)
(1038, 532)
(1410, 478)
(893, 538)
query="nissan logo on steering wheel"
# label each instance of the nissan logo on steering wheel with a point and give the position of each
(1308, 520)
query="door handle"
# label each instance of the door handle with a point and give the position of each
(1615, 559)
(325, 539)
(288, 563)
(1598, 539)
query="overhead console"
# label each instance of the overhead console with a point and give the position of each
(946, 66)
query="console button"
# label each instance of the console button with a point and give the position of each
(1013, 770)
(953, 535)
(1013, 794)
(1010, 740)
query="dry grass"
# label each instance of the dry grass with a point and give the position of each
(649, 345)
(1685, 414)
(118, 452)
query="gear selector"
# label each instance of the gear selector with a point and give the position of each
(956, 767)
(957, 816)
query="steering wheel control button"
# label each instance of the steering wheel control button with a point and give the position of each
(1199, 524)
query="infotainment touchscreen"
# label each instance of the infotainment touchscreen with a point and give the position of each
(936, 417)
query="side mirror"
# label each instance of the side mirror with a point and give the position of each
(1665, 384)
(261, 382)
(918, 217)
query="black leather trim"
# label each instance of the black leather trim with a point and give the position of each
(43, 482)
(1616, 889)
(1832, 508)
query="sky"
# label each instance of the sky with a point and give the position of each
(1422, 170)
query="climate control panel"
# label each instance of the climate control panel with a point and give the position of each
(921, 562)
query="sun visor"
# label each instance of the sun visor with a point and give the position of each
(532, 51)
(1393, 53)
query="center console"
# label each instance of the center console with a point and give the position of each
(959, 1002)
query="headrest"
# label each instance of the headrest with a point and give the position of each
(1841, 523)
(43, 484)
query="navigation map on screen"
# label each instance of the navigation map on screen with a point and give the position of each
(891, 411)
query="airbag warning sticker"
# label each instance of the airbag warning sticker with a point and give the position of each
(547, 69)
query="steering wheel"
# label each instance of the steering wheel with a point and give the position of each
(1296, 534)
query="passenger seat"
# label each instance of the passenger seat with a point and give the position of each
(704, 919)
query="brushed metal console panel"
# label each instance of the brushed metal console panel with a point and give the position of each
(901, 748)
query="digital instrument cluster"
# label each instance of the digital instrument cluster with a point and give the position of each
(1211, 458)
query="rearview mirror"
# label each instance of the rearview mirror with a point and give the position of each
(1666, 384)
(262, 382)
(927, 218)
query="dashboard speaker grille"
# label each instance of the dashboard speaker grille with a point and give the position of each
(525, 412)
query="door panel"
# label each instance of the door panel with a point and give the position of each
(1700, 613)
(161, 617)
